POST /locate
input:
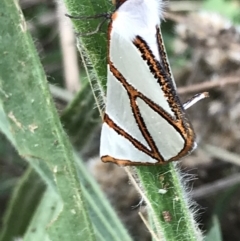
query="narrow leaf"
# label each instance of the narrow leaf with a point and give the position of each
(35, 124)
(24, 201)
(215, 231)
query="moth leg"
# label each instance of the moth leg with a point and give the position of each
(193, 100)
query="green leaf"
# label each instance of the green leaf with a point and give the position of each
(4, 124)
(224, 199)
(215, 231)
(24, 201)
(35, 125)
(106, 223)
(229, 9)
(46, 212)
(81, 117)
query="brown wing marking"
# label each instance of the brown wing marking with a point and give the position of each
(121, 132)
(180, 122)
(128, 162)
(133, 94)
(162, 52)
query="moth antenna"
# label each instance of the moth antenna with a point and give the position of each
(96, 30)
(101, 15)
(106, 16)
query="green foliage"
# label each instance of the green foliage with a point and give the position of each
(80, 118)
(61, 200)
(215, 231)
(35, 125)
(159, 205)
(229, 9)
(30, 121)
(25, 199)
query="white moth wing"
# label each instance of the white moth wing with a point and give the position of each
(136, 18)
(118, 147)
(119, 109)
(128, 61)
(168, 141)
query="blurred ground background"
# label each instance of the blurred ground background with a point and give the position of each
(203, 45)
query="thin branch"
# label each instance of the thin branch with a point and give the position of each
(136, 185)
(221, 82)
(222, 154)
(215, 187)
(69, 50)
(148, 227)
(176, 6)
(177, 18)
(61, 93)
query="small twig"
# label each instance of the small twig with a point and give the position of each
(69, 51)
(176, 6)
(222, 154)
(61, 93)
(222, 184)
(148, 227)
(139, 190)
(134, 183)
(215, 187)
(84, 62)
(177, 18)
(209, 85)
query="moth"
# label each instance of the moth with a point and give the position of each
(144, 121)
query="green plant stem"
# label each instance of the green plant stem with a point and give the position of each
(171, 212)
(168, 202)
